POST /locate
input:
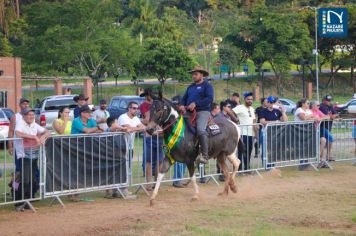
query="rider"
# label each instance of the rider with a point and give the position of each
(199, 96)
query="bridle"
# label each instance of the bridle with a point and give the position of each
(165, 110)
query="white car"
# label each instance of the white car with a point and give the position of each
(347, 108)
(47, 110)
(4, 125)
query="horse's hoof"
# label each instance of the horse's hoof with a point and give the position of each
(233, 189)
(152, 202)
(195, 198)
(223, 194)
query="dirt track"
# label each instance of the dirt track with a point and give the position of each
(294, 204)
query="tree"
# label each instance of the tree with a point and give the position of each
(5, 47)
(280, 39)
(165, 59)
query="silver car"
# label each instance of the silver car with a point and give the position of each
(47, 110)
(288, 104)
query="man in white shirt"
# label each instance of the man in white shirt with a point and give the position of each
(133, 124)
(28, 152)
(247, 118)
(101, 115)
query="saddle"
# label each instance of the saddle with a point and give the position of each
(191, 121)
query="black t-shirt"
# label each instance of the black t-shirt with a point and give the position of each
(258, 113)
(273, 115)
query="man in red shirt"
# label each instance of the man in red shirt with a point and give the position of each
(152, 147)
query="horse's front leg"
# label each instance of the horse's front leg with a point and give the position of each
(193, 179)
(165, 167)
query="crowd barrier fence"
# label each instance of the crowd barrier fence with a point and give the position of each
(79, 164)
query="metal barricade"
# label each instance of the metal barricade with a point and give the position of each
(146, 157)
(250, 157)
(291, 144)
(340, 138)
(77, 164)
(20, 174)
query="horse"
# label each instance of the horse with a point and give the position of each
(222, 146)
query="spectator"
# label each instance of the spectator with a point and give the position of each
(101, 115)
(303, 112)
(327, 108)
(28, 152)
(325, 136)
(113, 126)
(226, 112)
(270, 114)
(247, 118)
(24, 104)
(215, 110)
(81, 100)
(68, 91)
(152, 147)
(234, 100)
(84, 124)
(63, 125)
(178, 168)
(258, 116)
(133, 123)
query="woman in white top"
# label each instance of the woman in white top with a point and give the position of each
(303, 112)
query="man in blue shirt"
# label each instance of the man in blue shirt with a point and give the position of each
(199, 97)
(81, 100)
(84, 124)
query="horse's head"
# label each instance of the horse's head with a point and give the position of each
(160, 112)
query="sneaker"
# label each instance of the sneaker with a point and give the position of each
(178, 185)
(221, 178)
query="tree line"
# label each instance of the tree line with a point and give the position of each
(165, 38)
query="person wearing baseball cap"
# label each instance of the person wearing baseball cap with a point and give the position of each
(101, 115)
(27, 154)
(199, 97)
(328, 109)
(270, 114)
(84, 124)
(24, 103)
(81, 100)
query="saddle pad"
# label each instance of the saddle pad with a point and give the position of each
(214, 129)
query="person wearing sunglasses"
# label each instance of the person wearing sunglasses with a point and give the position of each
(131, 121)
(246, 116)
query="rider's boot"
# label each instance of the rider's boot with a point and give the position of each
(204, 148)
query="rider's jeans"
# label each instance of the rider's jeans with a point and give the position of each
(202, 122)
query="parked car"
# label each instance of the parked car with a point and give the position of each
(288, 104)
(347, 108)
(118, 104)
(4, 125)
(8, 112)
(47, 109)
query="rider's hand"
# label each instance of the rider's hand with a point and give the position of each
(191, 106)
(181, 108)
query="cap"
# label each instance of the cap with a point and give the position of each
(102, 101)
(26, 111)
(146, 92)
(247, 94)
(22, 100)
(328, 98)
(272, 99)
(80, 97)
(84, 108)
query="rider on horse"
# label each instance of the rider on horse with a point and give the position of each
(199, 96)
